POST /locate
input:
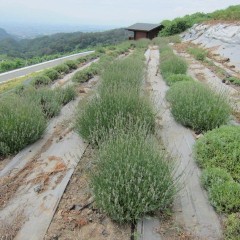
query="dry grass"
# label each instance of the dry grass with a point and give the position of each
(10, 226)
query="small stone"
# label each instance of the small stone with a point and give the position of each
(89, 212)
(199, 136)
(38, 188)
(105, 233)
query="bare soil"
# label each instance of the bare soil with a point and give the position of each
(77, 216)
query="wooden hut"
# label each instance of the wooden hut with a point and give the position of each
(145, 30)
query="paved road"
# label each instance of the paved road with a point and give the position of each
(37, 67)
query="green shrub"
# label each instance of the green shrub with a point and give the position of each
(41, 80)
(67, 94)
(196, 106)
(52, 74)
(211, 176)
(72, 64)
(232, 227)
(101, 113)
(199, 54)
(133, 177)
(62, 68)
(22, 122)
(173, 65)
(173, 78)
(220, 148)
(225, 197)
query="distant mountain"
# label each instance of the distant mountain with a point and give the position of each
(4, 34)
(60, 43)
(31, 30)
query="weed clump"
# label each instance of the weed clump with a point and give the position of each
(199, 54)
(133, 176)
(173, 78)
(22, 122)
(197, 107)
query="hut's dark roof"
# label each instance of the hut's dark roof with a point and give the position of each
(143, 27)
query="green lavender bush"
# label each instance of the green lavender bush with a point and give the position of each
(101, 113)
(173, 65)
(67, 94)
(72, 64)
(198, 107)
(49, 100)
(133, 177)
(22, 122)
(62, 68)
(52, 74)
(41, 80)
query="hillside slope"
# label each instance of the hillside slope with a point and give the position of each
(60, 43)
(4, 34)
(221, 38)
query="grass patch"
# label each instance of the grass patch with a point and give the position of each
(173, 78)
(234, 80)
(198, 53)
(133, 176)
(22, 122)
(196, 106)
(220, 148)
(11, 84)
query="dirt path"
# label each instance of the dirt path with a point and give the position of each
(34, 180)
(191, 209)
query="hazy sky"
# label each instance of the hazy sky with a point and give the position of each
(105, 12)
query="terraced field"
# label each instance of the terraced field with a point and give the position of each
(119, 150)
